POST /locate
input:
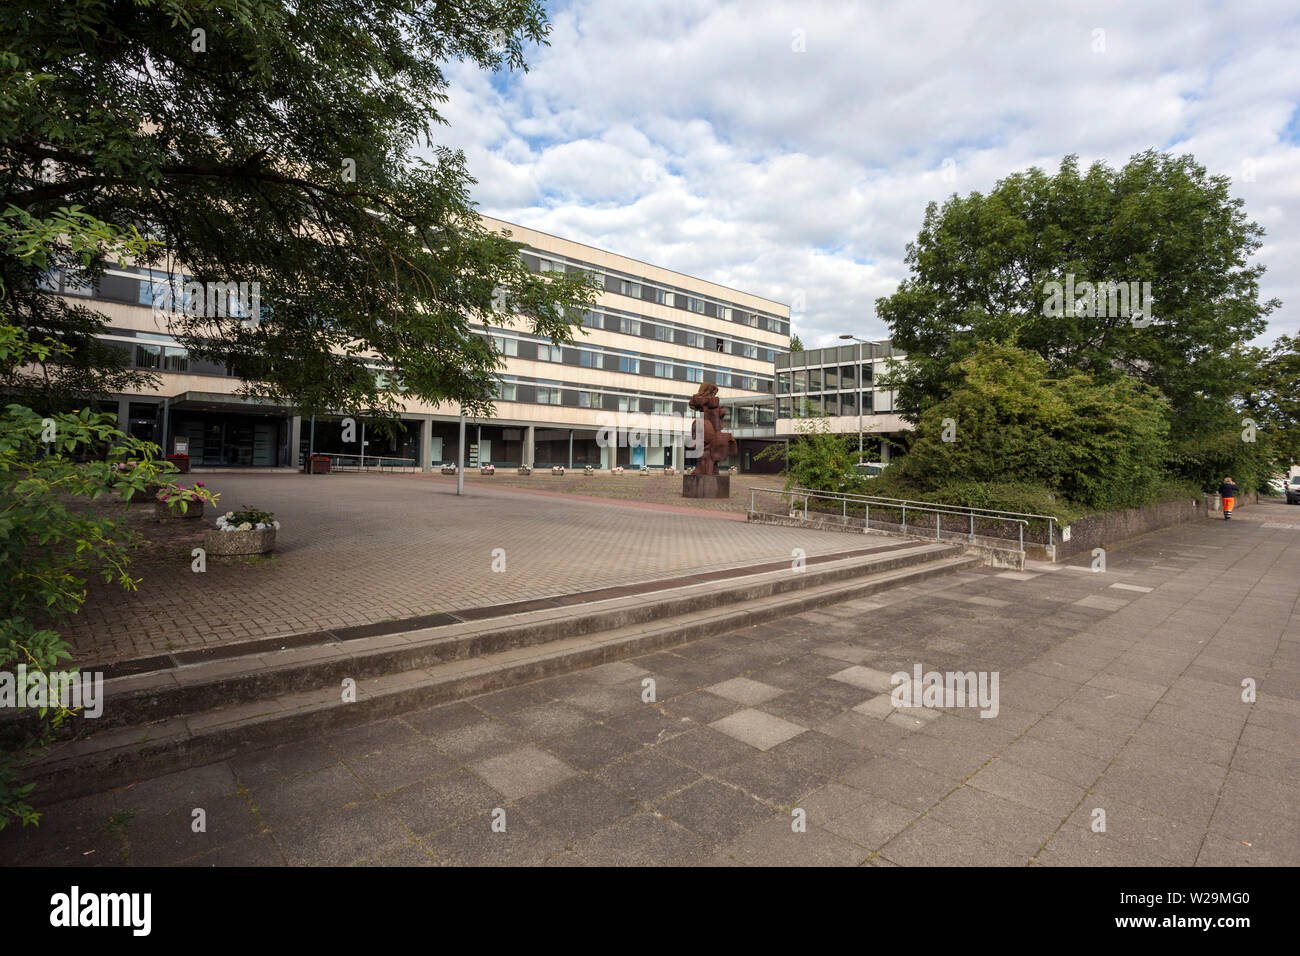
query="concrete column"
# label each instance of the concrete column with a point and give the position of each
(123, 414)
(528, 454)
(570, 449)
(426, 443)
(884, 449)
(165, 439)
(295, 437)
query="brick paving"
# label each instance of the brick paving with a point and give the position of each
(359, 549)
(1120, 691)
(631, 487)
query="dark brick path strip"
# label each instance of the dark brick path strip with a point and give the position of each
(248, 648)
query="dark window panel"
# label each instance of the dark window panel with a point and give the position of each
(118, 289)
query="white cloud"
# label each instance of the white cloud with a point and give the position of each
(691, 134)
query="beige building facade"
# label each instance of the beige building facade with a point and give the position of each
(615, 395)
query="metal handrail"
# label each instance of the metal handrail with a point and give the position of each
(365, 460)
(964, 509)
(894, 504)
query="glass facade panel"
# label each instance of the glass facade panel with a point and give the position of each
(148, 356)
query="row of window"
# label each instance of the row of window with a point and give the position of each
(751, 415)
(671, 297)
(629, 325)
(170, 358)
(154, 290)
(630, 363)
(556, 394)
(165, 358)
(817, 379)
(838, 403)
(173, 358)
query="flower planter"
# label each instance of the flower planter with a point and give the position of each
(234, 543)
(557, 470)
(163, 512)
(449, 469)
(182, 463)
(588, 471)
(150, 494)
(317, 466)
(487, 470)
(525, 470)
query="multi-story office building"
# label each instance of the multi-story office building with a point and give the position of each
(841, 383)
(644, 348)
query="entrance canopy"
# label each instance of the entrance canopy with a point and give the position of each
(225, 402)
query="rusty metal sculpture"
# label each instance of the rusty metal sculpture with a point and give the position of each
(715, 444)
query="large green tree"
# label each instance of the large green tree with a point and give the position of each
(982, 264)
(1099, 443)
(1272, 400)
(278, 143)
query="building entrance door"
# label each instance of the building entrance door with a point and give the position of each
(230, 440)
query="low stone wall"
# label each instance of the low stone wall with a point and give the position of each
(1110, 527)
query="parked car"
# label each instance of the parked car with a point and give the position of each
(1293, 490)
(869, 469)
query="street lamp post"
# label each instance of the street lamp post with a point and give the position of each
(460, 457)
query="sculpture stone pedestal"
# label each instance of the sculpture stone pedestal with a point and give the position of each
(706, 486)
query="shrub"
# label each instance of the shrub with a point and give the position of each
(818, 459)
(1098, 445)
(52, 540)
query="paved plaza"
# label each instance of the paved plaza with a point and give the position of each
(1120, 691)
(359, 549)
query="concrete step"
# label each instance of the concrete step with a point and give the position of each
(209, 683)
(202, 713)
(997, 552)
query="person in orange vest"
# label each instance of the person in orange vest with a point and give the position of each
(1228, 492)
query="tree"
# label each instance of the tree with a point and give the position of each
(982, 264)
(796, 343)
(816, 458)
(267, 142)
(1272, 400)
(52, 537)
(1100, 444)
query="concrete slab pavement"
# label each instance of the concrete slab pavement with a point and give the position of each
(1136, 707)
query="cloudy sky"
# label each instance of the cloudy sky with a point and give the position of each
(789, 149)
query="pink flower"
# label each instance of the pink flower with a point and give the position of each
(198, 484)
